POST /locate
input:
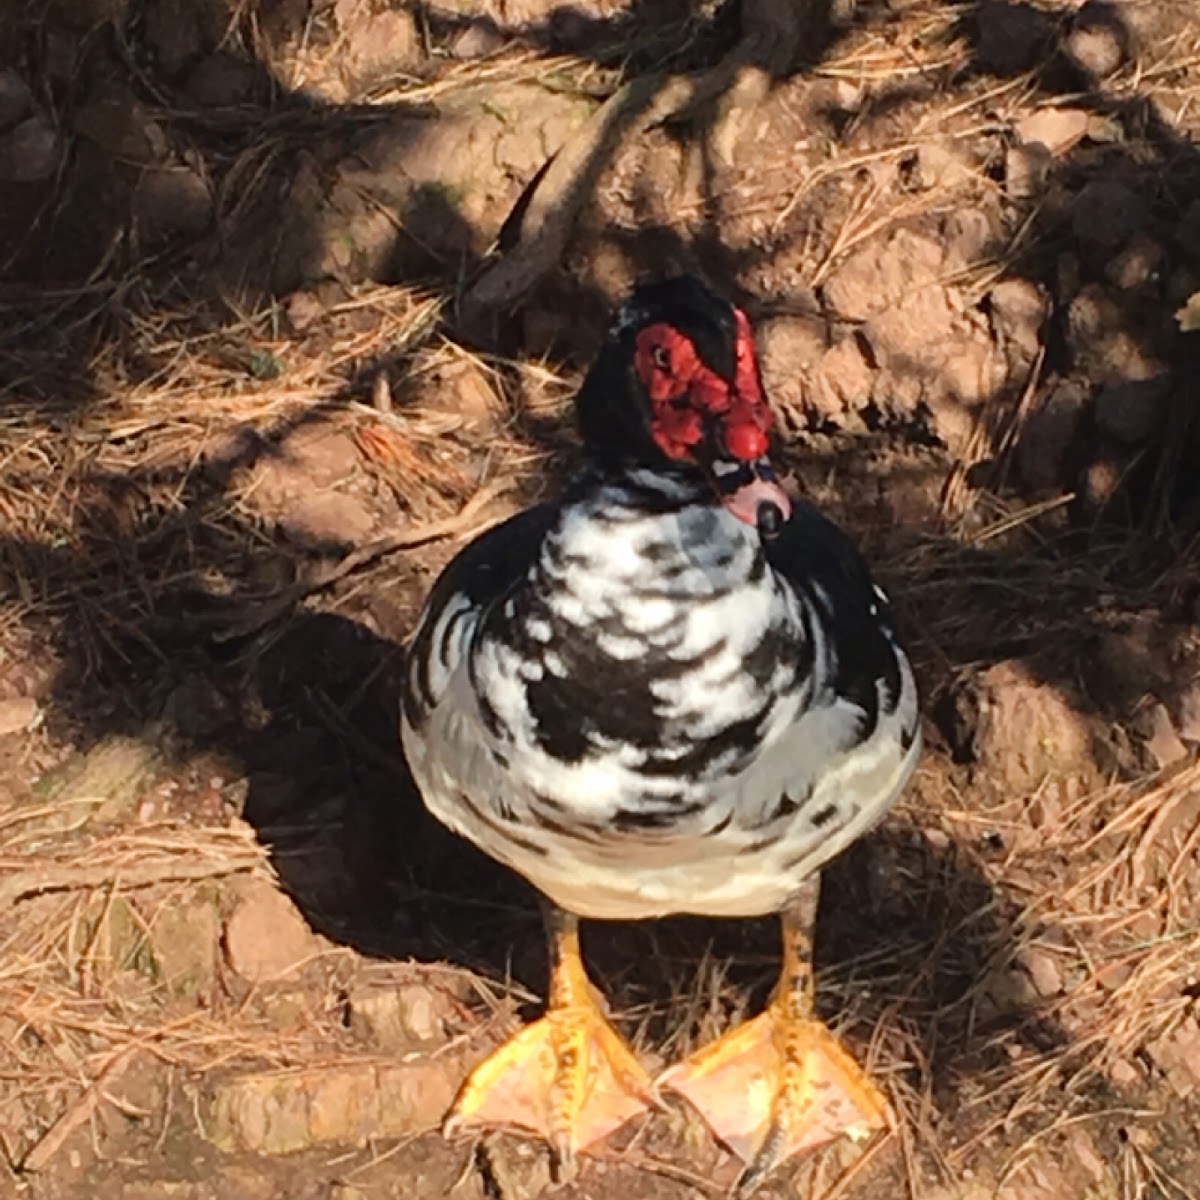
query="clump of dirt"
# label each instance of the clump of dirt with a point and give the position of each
(1020, 731)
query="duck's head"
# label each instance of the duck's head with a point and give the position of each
(677, 384)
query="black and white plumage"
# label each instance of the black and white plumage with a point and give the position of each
(638, 701)
(674, 690)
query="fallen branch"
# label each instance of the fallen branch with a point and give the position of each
(77, 876)
(465, 521)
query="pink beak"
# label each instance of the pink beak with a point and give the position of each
(752, 501)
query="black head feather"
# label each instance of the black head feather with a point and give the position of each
(612, 408)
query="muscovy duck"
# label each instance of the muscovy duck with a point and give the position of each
(673, 690)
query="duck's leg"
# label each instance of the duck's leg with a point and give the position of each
(781, 1083)
(569, 1077)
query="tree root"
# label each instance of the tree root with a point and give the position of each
(772, 32)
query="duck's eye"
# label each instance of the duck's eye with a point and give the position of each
(661, 358)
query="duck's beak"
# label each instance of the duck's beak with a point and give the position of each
(752, 493)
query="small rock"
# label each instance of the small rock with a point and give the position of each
(375, 1018)
(261, 1115)
(944, 164)
(303, 310)
(17, 714)
(420, 1012)
(1008, 37)
(1106, 213)
(319, 455)
(481, 409)
(1177, 1055)
(1102, 480)
(1101, 345)
(884, 272)
(1098, 44)
(1124, 1074)
(1043, 970)
(967, 236)
(16, 99)
(1048, 435)
(1137, 266)
(266, 938)
(479, 40)
(1011, 990)
(1162, 741)
(102, 784)
(1026, 169)
(306, 486)
(30, 152)
(938, 841)
(171, 202)
(174, 33)
(347, 1191)
(339, 1108)
(1019, 311)
(348, 1104)
(462, 388)
(1187, 708)
(846, 94)
(393, 1018)
(327, 521)
(1132, 412)
(414, 1094)
(185, 937)
(515, 1166)
(1057, 130)
(379, 44)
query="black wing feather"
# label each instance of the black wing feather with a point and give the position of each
(854, 614)
(483, 571)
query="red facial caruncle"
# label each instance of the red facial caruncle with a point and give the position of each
(684, 391)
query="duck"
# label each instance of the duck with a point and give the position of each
(673, 689)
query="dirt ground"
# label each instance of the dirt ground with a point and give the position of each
(295, 295)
